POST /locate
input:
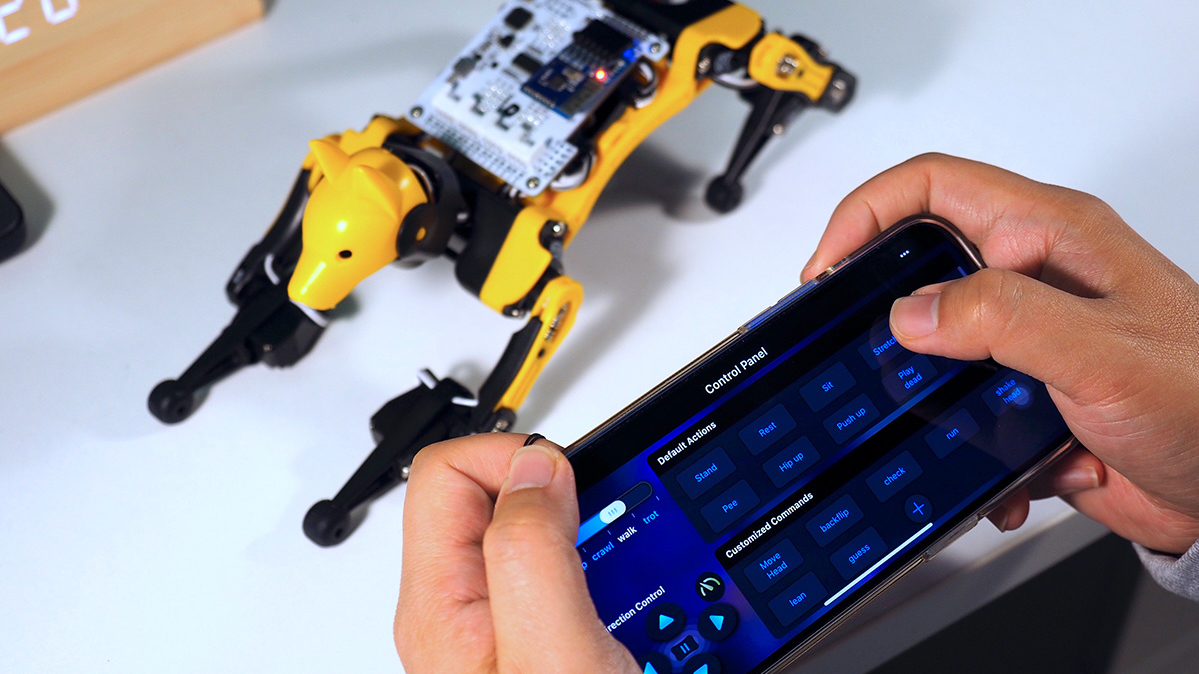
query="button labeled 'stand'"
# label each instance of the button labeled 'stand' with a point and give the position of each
(706, 472)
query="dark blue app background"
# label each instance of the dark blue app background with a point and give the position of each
(817, 459)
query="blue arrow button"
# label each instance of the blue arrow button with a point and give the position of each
(717, 621)
(703, 669)
(664, 622)
(649, 668)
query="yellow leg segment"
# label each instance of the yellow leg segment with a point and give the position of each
(555, 308)
(733, 27)
(783, 65)
(521, 261)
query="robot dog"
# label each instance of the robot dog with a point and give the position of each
(496, 166)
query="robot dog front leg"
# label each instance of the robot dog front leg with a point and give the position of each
(779, 77)
(442, 409)
(268, 326)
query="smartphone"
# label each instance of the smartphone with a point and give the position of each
(740, 510)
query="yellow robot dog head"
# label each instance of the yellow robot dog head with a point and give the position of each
(351, 222)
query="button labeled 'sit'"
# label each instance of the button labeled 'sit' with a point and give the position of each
(827, 387)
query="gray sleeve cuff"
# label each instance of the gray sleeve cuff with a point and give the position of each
(1179, 575)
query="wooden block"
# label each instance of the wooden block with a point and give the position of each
(55, 51)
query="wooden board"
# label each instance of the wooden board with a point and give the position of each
(55, 51)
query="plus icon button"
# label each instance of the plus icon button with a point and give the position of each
(918, 509)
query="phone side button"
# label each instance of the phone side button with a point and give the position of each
(956, 533)
(777, 306)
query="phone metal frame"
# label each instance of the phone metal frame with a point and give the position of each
(937, 544)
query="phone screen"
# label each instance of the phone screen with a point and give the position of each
(735, 511)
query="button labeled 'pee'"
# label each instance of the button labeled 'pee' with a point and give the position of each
(730, 506)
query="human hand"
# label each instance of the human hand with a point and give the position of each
(1075, 298)
(491, 581)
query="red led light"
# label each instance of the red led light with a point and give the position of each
(601, 75)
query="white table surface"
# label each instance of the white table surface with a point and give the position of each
(128, 546)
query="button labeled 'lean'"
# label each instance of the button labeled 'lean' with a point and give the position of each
(798, 599)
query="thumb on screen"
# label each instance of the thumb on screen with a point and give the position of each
(541, 609)
(994, 313)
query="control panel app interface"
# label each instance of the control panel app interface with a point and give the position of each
(785, 475)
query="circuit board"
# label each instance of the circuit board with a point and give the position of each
(514, 97)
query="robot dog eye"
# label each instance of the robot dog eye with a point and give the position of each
(345, 254)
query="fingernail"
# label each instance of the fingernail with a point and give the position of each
(1002, 514)
(532, 467)
(931, 289)
(807, 268)
(915, 315)
(1076, 480)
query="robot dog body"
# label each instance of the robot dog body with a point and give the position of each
(497, 167)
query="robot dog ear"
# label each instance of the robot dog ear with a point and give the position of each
(372, 185)
(332, 161)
